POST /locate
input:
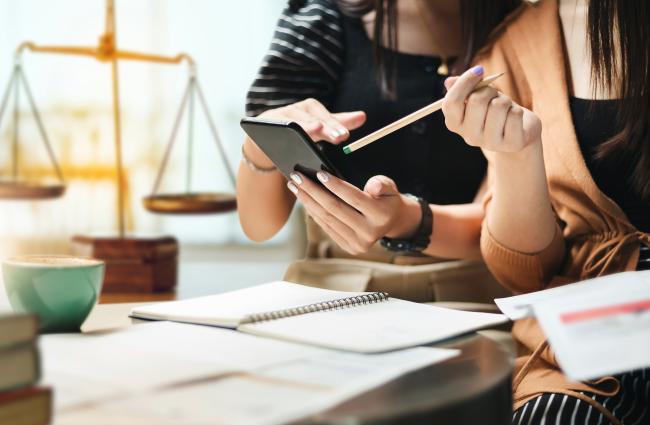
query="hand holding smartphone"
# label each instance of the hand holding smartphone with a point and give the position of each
(288, 146)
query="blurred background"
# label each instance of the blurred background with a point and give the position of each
(227, 39)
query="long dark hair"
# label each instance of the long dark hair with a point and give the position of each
(619, 37)
(478, 19)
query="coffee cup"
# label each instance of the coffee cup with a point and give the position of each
(60, 290)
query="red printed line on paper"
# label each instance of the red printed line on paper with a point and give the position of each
(596, 313)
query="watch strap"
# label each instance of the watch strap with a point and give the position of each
(420, 239)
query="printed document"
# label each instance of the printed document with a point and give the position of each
(603, 329)
(521, 306)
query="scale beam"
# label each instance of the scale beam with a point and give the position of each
(104, 54)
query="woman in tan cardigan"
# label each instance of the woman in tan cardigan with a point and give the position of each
(571, 200)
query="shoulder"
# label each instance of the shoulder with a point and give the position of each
(319, 13)
(509, 43)
(304, 59)
(310, 27)
(309, 34)
(528, 20)
(305, 6)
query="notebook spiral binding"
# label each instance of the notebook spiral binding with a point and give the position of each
(374, 297)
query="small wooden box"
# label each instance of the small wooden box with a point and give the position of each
(133, 264)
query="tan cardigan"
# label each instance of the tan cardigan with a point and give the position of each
(594, 236)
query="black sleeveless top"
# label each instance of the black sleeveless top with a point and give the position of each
(595, 122)
(318, 52)
(424, 158)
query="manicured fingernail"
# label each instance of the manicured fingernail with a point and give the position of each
(342, 132)
(292, 187)
(296, 178)
(323, 176)
(334, 134)
(478, 70)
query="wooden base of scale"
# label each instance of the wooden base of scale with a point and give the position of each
(133, 264)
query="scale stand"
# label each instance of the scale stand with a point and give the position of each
(133, 264)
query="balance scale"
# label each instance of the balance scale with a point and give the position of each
(133, 264)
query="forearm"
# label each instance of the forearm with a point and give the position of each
(456, 229)
(263, 200)
(520, 216)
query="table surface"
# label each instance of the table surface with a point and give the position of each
(483, 367)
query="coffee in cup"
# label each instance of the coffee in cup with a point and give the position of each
(61, 290)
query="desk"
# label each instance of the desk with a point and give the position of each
(471, 388)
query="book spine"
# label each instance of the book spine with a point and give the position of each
(8, 358)
(373, 297)
(17, 330)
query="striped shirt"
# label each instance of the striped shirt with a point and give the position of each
(305, 58)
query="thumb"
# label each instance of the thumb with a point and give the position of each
(378, 186)
(351, 120)
(449, 82)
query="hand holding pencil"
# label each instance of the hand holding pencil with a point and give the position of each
(486, 118)
(403, 122)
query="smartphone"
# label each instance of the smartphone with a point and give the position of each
(288, 146)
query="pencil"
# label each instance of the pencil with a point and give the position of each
(410, 118)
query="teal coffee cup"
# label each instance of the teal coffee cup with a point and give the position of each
(60, 290)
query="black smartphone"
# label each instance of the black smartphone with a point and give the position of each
(288, 146)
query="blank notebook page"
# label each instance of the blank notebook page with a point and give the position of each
(383, 326)
(228, 309)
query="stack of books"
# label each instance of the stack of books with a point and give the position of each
(21, 400)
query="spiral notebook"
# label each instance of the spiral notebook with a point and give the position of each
(365, 322)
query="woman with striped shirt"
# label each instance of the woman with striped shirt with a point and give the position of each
(344, 68)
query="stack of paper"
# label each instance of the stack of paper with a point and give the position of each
(95, 367)
(165, 372)
(278, 394)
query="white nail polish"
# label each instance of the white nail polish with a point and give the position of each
(334, 134)
(323, 176)
(292, 187)
(296, 178)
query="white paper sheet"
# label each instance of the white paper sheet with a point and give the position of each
(273, 395)
(384, 326)
(601, 330)
(245, 400)
(90, 367)
(351, 373)
(521, 306)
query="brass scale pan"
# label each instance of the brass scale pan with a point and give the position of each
(30, 190)
(190, 203)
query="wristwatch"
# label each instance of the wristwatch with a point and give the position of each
(420, 239)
